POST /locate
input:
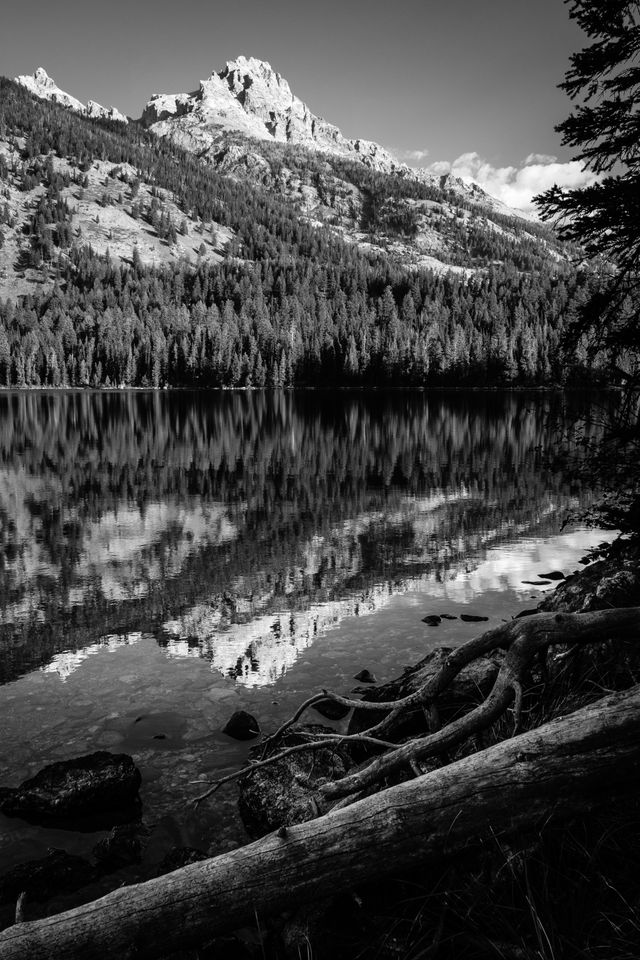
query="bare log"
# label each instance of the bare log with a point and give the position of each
(555, 771)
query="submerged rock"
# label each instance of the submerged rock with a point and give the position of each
(123, 847)
(99, 788)
(242, 726)
(179, 857)
(45, 878)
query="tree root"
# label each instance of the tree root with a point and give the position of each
(526, 641)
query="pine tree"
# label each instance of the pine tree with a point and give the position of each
(605, 219)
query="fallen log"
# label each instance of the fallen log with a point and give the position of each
(558, 770)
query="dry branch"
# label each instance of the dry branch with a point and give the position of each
(525, 641)
(561, 768)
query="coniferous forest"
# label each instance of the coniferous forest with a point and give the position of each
(291, 304)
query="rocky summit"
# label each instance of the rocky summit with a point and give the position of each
(248, 97)
(41, 85)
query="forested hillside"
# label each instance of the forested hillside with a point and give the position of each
(187, 276)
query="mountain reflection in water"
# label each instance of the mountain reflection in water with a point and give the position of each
(238, 527)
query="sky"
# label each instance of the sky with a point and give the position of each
(448, 84)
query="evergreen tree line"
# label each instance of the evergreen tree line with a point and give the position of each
(292, 304)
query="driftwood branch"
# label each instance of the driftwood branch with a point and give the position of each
(564, 767)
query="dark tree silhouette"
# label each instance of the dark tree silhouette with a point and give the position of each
(604, 218)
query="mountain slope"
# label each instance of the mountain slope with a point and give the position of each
(41, 85)
(253, 288)
(246, 122)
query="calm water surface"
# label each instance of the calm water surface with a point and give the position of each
(178, 557)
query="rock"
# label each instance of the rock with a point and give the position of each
(613, 582)
(42, 879)
(41, 85)
(432, 620)
(554, 575)
(365, 676)
(99, 788)
(469, 688)
(97, 111)
(331, 710)
(163, 730)
(248, 96)
(124, 846)
(278, 795)
(472, 618)
(242, 726)
(179, 857)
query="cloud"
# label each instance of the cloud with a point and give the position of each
(440, 167)
(411, 156)
(540, 158)
(516, 186)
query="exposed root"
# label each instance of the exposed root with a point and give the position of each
(517, 707)
(325, 740)
(525, 640)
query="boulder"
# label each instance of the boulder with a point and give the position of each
(242, 726)
(278, 795)
(613, 582)
(365, 676)
(45, 878)
(89, 792)
(123, 847)
(179, 857)
(469, 688)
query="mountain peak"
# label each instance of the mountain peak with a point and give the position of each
(41, 85)
(42, 77)
(249, 65)
(249, 97)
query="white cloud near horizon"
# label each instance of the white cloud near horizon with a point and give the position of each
(411, 157)
(516, 186)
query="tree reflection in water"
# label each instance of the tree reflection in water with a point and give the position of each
(242, 518)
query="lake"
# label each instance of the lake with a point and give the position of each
(168, 558)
